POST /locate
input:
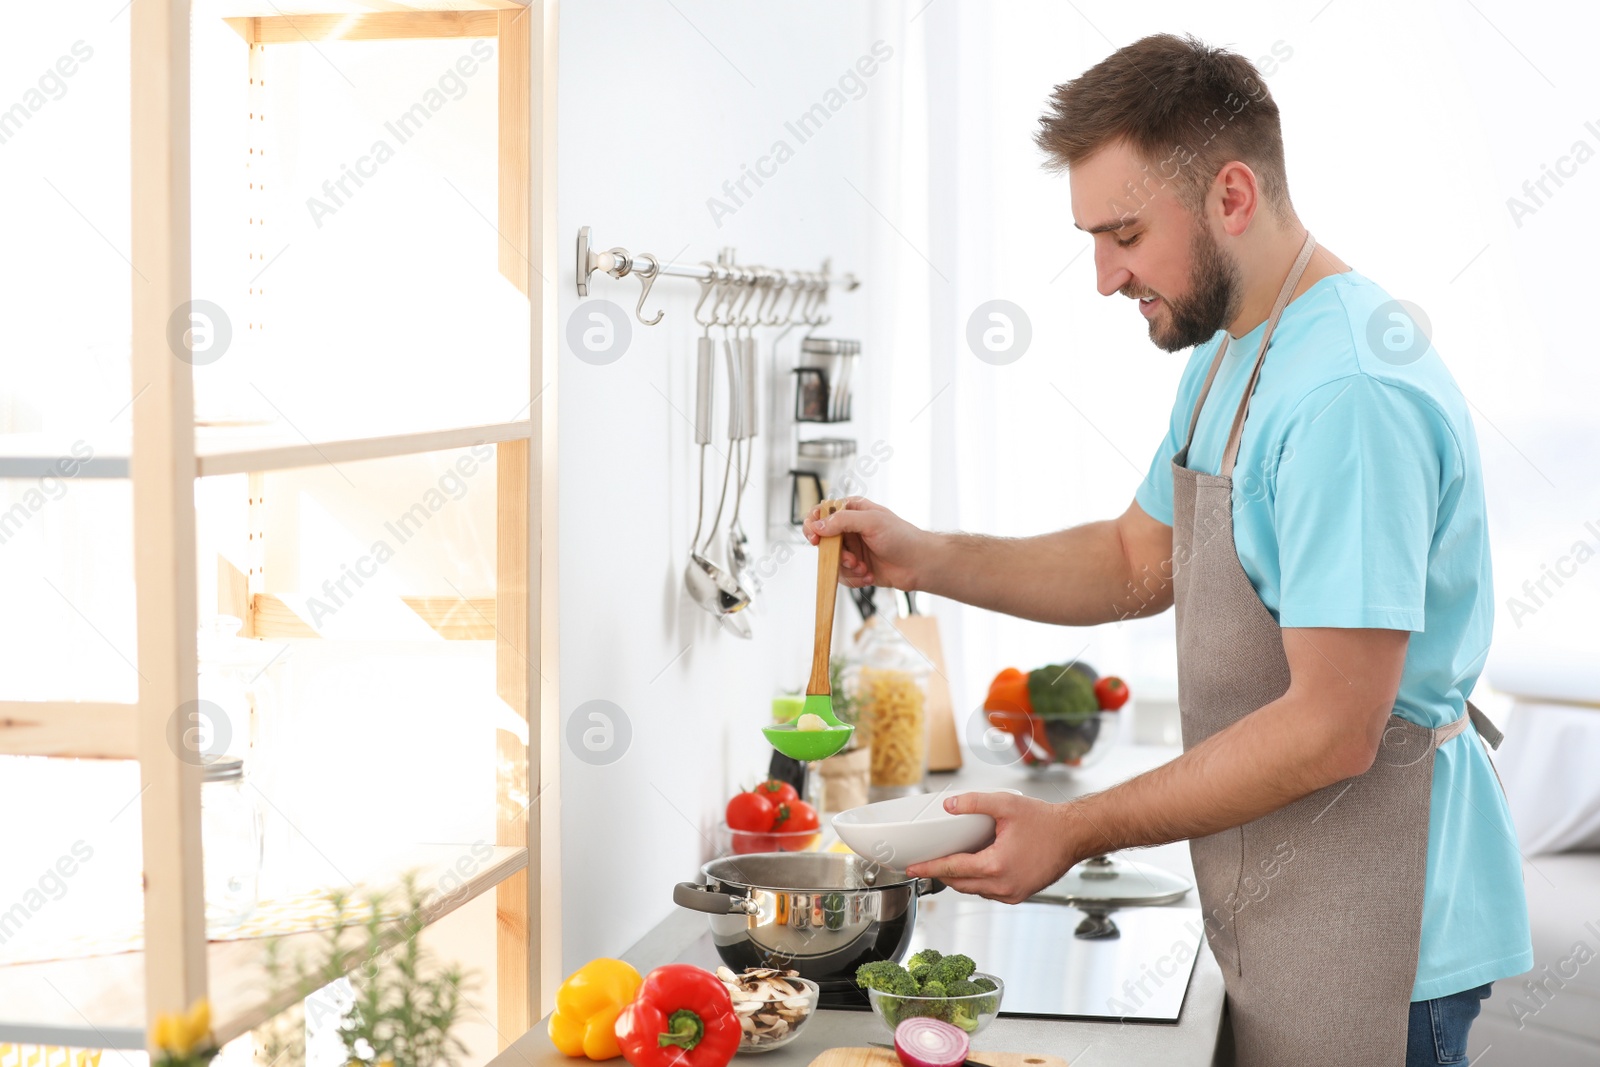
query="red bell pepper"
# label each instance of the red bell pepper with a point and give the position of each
(682, 1017)
(1010, 708)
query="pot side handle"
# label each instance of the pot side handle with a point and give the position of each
(927, 886)
(698, 897)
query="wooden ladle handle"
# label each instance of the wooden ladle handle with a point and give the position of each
(827, 597)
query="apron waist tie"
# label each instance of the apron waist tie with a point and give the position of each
(1486, 729)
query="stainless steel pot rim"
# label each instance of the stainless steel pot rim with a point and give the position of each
(725, 870)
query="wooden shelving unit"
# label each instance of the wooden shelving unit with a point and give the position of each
(106, 1010)
(218, 452)
(110, 1001)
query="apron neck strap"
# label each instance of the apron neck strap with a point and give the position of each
(1231, 453)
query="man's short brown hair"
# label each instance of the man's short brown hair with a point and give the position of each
(1184, 107)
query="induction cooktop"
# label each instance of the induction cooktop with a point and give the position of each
(1141, 974)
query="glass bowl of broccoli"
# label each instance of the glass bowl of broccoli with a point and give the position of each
(934, 986)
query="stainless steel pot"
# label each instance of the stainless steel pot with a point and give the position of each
(821, 913)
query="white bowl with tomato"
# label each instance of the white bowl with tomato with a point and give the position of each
(769, 818)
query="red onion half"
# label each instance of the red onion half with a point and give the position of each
(922, 1042)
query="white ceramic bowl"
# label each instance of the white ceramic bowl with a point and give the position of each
(907, 830)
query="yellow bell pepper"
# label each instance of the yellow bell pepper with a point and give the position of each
(180, 1034)
(587, 1006)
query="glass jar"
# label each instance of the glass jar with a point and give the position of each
(819, 466)
(887, 681)
(822, 379)
(230, 829)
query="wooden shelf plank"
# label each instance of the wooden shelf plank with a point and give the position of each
(65, 728)
(65, 458)
(237, 451)
(277, 8)
(98, 1002)
(385, 26)
(453, 618)
(242, 454)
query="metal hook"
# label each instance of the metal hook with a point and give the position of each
(747, 284)
(824, 315)
(772, 286)
(796, 289)
(647, 278)
(726, 296)
(808, 313)
(707, 286)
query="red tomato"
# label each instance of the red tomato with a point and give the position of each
(751, 811)
(794, 817)
(776, 791)
(1111, 692)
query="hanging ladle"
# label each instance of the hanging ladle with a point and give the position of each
(811, 745)
(709, 585)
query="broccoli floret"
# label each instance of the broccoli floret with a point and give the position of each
(886, 976)
(921, 971)
(1065, 690)
(962, 988)
(988, 1005)
(962, 1015)
(932, 988)
(927, 956)
(954, 968)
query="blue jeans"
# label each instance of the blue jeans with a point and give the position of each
(1438, 1034)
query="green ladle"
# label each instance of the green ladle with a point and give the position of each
(808, 746)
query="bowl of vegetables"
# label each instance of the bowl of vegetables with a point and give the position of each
(932, 986)
(769, 818)
(1063, 715)
(772, 1005)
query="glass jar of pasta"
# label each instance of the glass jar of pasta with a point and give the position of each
(887, 681)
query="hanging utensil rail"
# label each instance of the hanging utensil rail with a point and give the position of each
(808, 290)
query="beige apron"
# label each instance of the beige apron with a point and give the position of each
(1314, 912)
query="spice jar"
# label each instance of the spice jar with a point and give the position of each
(820, 465)
(822, 379)
(887, 680)
(230, 828)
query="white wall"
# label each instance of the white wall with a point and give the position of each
(659, 106)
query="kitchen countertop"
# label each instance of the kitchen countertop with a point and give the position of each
(1190, 1042)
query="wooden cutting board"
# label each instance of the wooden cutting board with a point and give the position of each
(944, 745)
(883, 1057)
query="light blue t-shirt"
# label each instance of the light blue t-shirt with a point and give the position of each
(1358, 502)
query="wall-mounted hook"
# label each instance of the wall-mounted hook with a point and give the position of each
(730, 294)
(708, 285)
(647, 278)
(772, 287)
(747, 285)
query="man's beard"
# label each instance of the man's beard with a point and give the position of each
(1213, 300)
